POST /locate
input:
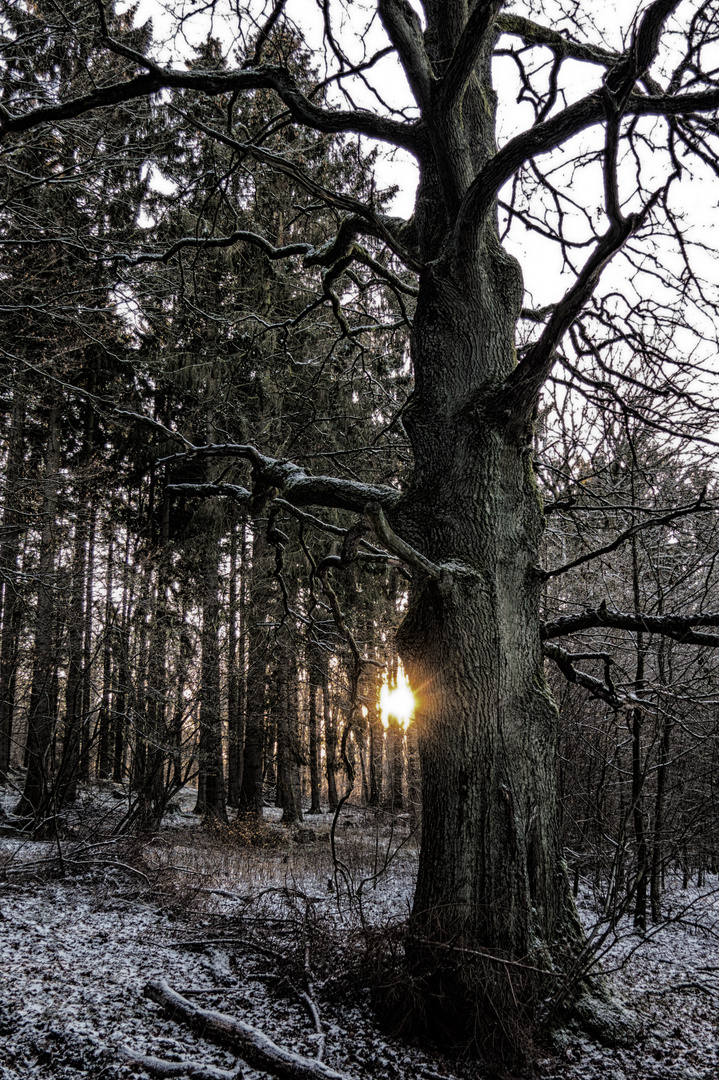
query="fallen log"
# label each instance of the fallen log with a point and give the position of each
(189, 1070)
(248, 1042)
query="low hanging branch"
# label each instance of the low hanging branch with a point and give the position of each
(251, 1044)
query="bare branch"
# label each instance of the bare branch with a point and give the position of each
(271, 475)
(404, 31)
(696, 508)
(379, 225)
(399, 547)
(251, 1044)
(534, 34)
(598, 689)
(210, 243)
(214, 83)
(674, 626)
(467, 53)
(264, 34)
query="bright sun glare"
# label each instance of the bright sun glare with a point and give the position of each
(398, 702)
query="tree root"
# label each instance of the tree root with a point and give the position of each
(251, 1044)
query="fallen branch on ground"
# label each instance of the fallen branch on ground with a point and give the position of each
(195, 1070)
(251, 1044)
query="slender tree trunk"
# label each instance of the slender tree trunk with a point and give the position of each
(640, 832)
(251, 800)
(68, 774)
(211, 785)
(314, 737)
(12, 531)
(376, 750)
(121, 676)
(185, 651)
(330, 728)
(103, 722)
(151, 790)
(37, 793)
(395, 801)
(658, 839)
(292, 808)
(138, 685)
(86, 733)
(236, 668)
(414, 780)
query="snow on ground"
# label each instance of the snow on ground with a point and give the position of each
(228, 926)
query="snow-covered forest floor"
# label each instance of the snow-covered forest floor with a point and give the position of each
(263, 932)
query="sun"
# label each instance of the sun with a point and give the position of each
(398, 702)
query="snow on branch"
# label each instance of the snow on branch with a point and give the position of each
(681, 628)
(251, 1044)
(296, 486)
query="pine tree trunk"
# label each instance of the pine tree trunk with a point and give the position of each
(211, 781)
(87, 735)
(235, 668)
(376, 749)
(37, 793)
(314, 739)
(251, 799)
(68, 774)
(288, 748)
(12, 531)
(658, 838)
(121, 675)
(103, 720)
(640, 832)
(330, 729)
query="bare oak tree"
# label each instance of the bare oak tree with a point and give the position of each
(468, 527)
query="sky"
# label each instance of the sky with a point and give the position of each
(609, 23)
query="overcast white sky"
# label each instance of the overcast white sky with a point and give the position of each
(359, 32)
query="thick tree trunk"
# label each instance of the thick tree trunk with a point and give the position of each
(491, 867)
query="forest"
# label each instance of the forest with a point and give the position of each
(359, 533)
